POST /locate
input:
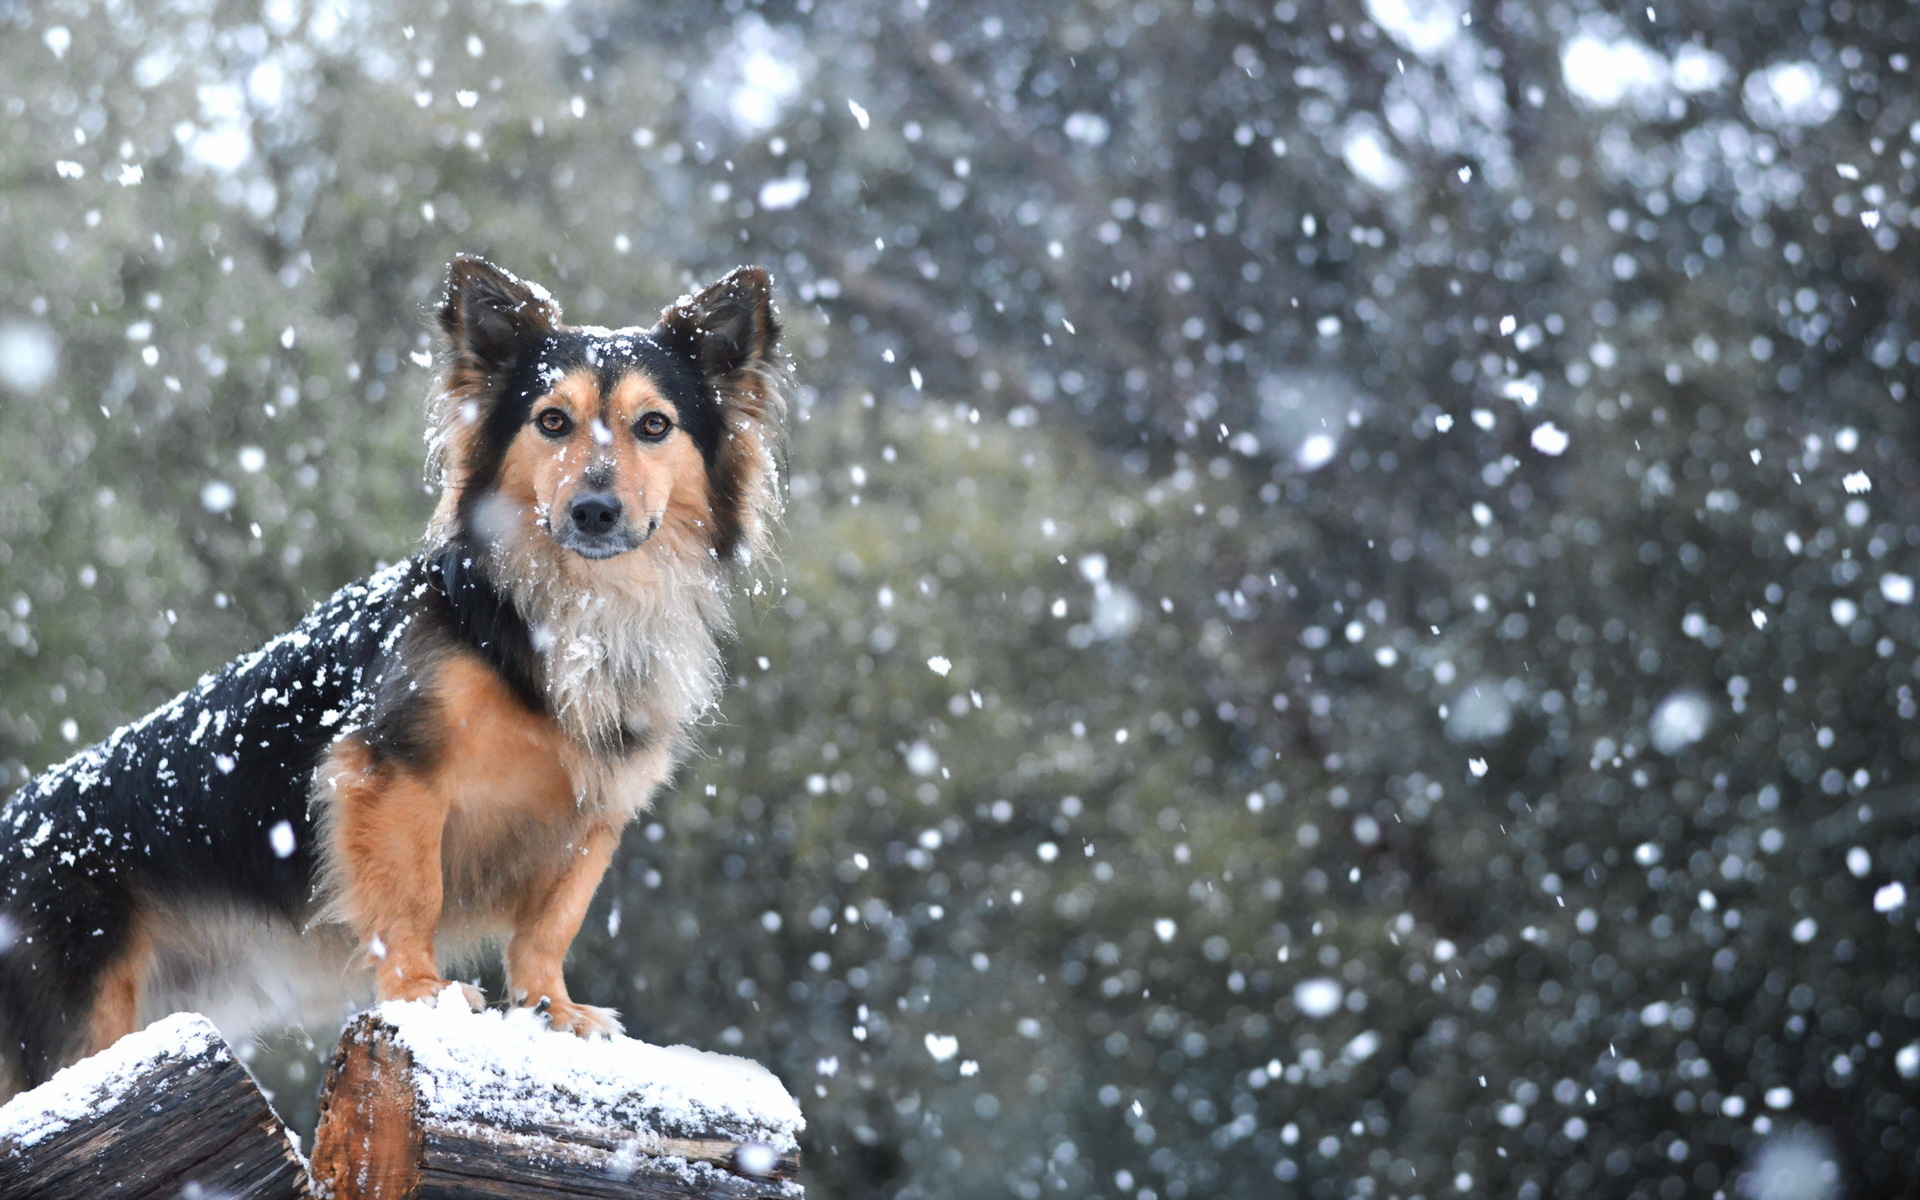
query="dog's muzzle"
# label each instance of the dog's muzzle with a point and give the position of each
(597, 527)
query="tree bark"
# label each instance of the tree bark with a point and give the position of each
(162, 1113)
(396, 1125)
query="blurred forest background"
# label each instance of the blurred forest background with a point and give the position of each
(1418, 498)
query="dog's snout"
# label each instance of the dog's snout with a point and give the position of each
(595, 513)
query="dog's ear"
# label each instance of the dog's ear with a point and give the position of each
(727, 328)
(490, 314)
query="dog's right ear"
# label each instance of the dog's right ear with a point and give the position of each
(489, 314)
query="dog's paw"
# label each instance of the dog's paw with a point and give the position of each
(584, 1020)
(438, 992)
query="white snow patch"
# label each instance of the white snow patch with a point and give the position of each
(1891, 897)
(942, 1046)
(1897, 589)
(1116, 611)
(1318, 998)
(1524, 392)
(216, 495)
(102, 1082)
(29, 354)
(757, 1158)
(1698, 69)
(1549, 439)
(1089, 129)
(1907, 1061)
(1844, 612)
(1480, 713)
(777, 195)
(1680, 720)
(756, 77)
(1857, 483)
(1603, 72)
(281, 838)
(1426, 27)
(508, 1069)
(1792, 1166)
(1367, 155)
(922, 759)
(940, 664)
(1790, 94)
(1316, 451)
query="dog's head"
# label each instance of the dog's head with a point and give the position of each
(601, 444)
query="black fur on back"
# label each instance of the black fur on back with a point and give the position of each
(182, 805)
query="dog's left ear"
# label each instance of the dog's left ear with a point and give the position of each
(490, 315)
(729, 327)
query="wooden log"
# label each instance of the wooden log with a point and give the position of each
(424, 1102)
(163, 1113)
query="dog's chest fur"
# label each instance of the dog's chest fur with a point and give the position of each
(536, 713)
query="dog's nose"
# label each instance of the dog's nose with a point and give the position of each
(595, 513)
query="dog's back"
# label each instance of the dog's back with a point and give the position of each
(199, 809)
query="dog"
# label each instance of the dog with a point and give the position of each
(441, 757)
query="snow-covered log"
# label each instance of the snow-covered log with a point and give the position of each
(426, 1101)
(161, 1113)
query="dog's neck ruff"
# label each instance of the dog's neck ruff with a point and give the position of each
(623, 666)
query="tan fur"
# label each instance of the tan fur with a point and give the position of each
(116, 999)
(490, 844)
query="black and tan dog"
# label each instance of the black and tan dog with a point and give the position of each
(442, 756)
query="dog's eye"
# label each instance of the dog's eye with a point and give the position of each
(553, 422)
(653, 426)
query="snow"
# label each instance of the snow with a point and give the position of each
(29, 355)
(1367, 155)
(1426, 27)
(102, 1082)
(777, 195)
(1318, 998)
(1377, 651)
(1797, 1165)
(1481, 712)
(1605, 71)
(1680, 720)
(1790, 94)
(1090, 129)
(1316, 451)
(508, 1070)
(757, 77)
(1906, 1060)
(942, 1047)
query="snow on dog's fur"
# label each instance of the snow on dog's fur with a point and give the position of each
(443, 756)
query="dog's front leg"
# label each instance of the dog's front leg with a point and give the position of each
(388, 831)
(545, 921)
